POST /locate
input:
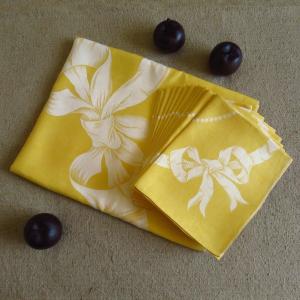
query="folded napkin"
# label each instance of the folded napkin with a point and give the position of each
(161, 149)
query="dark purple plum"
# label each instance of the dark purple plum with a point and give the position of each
(42, 231)
(225, 58)
(169, 36)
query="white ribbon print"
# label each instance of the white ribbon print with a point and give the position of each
(113, 136)
(232, 167)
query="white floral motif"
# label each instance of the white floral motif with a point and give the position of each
(112, 135)
(232, 167)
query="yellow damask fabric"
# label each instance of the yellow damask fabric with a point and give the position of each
(161, 149)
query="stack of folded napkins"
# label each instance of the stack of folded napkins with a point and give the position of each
(168, 152)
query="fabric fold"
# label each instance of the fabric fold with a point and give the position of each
(161, 149)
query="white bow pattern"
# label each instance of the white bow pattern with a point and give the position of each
(232, 167)
(113, 136)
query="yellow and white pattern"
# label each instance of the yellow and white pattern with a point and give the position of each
(115, 121)
(112, 134)
(223, 170)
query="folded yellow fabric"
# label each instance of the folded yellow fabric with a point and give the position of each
(214, 174)
(201, 158)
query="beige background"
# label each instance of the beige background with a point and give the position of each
(100, 257)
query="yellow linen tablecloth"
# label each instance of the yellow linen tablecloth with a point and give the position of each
(161, 149)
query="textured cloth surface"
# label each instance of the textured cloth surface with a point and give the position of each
(100, 257)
